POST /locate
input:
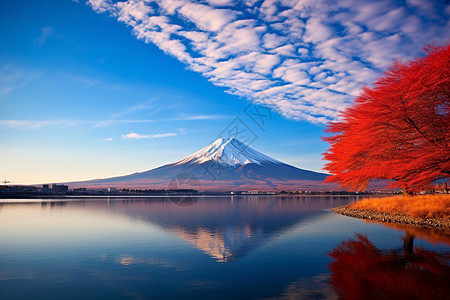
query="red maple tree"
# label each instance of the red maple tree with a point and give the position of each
(398, 130)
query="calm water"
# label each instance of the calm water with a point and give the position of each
(212, 248)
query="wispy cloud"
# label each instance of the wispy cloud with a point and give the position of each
(106, 123)
(310, 58)
(37, 124)
(12, 78)
(133, 135)
(110, 139)
(46, 32)
(86, 81)
(202, 117)
(139, 107)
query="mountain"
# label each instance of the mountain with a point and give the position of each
(225, 165)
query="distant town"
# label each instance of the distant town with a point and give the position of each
(47, 190)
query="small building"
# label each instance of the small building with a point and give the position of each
(60, 188)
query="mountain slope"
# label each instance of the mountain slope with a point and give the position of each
(226, 164)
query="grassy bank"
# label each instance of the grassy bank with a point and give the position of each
(422, 206)
(432, 211)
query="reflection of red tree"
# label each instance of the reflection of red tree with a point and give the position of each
(432, 236)
(361, 271)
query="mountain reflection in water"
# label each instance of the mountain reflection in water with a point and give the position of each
(229, 228)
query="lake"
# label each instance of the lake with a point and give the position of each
(246, 247)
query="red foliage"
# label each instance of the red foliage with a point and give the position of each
(361, 271)
(398, 130)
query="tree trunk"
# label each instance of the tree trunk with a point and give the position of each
(408, 244)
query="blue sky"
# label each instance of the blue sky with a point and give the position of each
(104, 88)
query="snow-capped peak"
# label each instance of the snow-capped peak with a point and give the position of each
(230, 152)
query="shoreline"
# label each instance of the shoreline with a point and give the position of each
(433, 223)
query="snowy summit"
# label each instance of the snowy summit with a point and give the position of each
(229, 152)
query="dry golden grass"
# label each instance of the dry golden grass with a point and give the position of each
(422, 206)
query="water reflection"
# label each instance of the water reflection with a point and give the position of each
(316, 287)
(224, 228)
(360, 270)
(128, 260)
(153, 248)
(228, 228)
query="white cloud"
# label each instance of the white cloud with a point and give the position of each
(220, 2)
(201, 117)
(316, 31)
(206, 17)
(133, 135)
(272, 40)
(195, 36)
(389, 21)
(412, 25)
(100, 5)
(132, 11)
(286, 50)
(424, 7)
(311, 57)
